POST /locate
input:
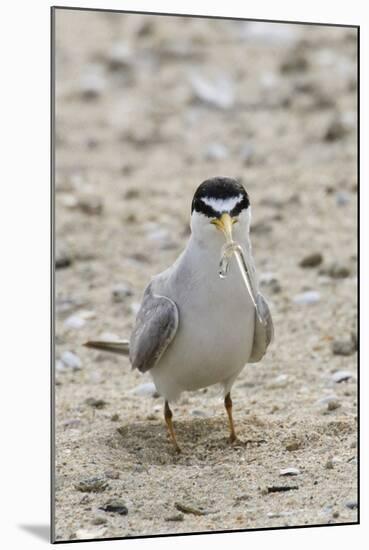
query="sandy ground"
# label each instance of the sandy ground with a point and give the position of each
(146, 109)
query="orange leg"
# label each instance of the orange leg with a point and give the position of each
(228, 406)
(168, 419)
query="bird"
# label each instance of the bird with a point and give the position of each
(199, 325)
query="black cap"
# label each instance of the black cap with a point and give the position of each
(217, 195)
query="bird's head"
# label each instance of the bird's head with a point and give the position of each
(220, 209)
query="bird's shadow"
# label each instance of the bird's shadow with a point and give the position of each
(200, 439)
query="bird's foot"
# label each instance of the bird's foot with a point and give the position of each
(233, 439)
(174, 444)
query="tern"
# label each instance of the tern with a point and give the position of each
(194, 327)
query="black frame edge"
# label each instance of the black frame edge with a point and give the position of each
(204, 16)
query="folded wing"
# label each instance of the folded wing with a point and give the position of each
(264, 330)
(156, 326)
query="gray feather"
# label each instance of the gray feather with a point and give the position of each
(264, 332)
(156, 326)
(121, 347)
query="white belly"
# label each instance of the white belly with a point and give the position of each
(215, 333)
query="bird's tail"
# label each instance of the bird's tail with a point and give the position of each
(121, 347)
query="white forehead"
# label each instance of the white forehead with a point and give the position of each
(222, 205)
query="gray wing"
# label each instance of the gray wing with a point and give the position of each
(264, 330)
(156, 326)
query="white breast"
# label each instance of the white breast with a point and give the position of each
(216, 325)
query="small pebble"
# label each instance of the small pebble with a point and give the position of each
(351, 504)
(354, 339)
(241, 498)
(289, 472)
(91, 205)
(132, 193)
(343, 347)
(96, 403)
(74, 321)
(323, 101)
(293, 445)
(261, 228)
(145, 27)
(263, 33)
(67, 304)
(214, 93)
(311, 260)
(216, 151)
(342, 198)
(121, 292)
(86, 314)
(116, 506)
(295, 62)
(327, 509)
(119, 57)
(336, 130)
(273, 202)
(82, 534)
(69, 200)
(269, 80)
(59, 366)
(329, 465)
(188, 508)
(336, 271)
(159, 234)
(247, 154)
(326, 400)
(280, 381)
(341, 376)
(280, 488)
(112, 474)
(146, 390)
(307, 298)
(71, 360)
(181, 49)
(92, 85)
(270, 281)
(279, 514)
(92, 485)
(72, 423)
(333, 405)
(175, 517)
(63, 259)
(99, 520)
(86, 499)
(198, 413)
